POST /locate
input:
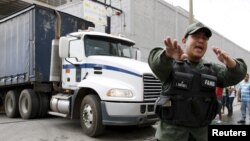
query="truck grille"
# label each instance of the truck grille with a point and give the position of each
(152, 88)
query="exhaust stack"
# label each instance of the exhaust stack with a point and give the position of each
(55, 65)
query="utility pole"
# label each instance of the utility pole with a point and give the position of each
(108, 27)
(191, 16)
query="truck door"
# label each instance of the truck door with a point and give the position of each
(73, 71)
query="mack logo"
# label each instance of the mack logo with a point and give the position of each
(181, 84)
(209, 83)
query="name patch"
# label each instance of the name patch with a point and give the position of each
(209, 83)
(182, 84)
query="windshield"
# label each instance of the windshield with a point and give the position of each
(99, 45)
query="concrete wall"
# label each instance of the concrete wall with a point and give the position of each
(152, 20)
(148, 22)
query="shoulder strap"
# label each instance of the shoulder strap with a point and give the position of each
(207, 68)
(179, 66)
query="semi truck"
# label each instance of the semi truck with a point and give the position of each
(49, 66)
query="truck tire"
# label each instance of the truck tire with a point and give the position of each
(11, 104)
(28, 104)
(1, 99)
(44, 105)
(90, 116)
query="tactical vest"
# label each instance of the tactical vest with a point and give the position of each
(190, 99)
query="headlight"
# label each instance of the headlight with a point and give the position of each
(119, 93)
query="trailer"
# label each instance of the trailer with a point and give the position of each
(49, 66)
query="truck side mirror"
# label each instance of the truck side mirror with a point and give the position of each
(64, 47)
(71, 48)
(76, 50)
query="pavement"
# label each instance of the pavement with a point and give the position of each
(231, 120)
(51, 129)
(1, 109)
(226, 120)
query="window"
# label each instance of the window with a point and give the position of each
(99, 45)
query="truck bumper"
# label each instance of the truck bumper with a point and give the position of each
(115, 113)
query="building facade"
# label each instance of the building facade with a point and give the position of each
(149, 22)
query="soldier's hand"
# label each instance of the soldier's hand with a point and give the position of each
(173, 49)
(224, 57)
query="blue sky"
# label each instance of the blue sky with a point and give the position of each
(230, 18)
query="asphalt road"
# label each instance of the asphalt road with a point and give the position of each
(226, 120)
(61, 129)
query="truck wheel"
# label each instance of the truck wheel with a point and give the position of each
(1, 99)
(90, 116)
(11, 104)
(44, 105)
(28, 104)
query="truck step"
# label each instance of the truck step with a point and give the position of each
(57, 114)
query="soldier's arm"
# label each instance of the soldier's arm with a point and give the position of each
(231, 76)
(160, 63)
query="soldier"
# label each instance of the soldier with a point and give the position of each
(188, 101)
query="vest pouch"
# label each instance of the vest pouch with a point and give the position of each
(213, 110)
(184, 114)
(202, 108)
(208, 82)
(192, 111)
(182, 80)
(164, 108)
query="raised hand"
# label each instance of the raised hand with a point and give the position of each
(173, 49)
(224, 57)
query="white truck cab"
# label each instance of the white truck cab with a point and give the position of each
(112, 85)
